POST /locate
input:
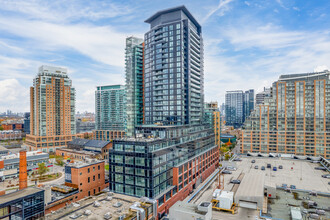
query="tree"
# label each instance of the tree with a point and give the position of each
(59, 162)
(1, 128)
(42, 169)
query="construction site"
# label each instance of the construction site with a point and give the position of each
(244, 188)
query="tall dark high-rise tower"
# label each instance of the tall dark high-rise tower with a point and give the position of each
(174, 73)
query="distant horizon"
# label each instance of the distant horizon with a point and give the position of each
(248, 44)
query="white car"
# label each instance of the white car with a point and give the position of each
(231, 168)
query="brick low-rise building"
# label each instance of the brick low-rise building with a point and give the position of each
(82, 179)
(89, 178)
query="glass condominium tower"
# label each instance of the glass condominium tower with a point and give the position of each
(174, 74)
(295, 119)
(110, 112)
(134, 83)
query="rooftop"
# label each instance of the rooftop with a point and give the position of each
(324, 74)
(104, 207)
(89, 143)
(252, 185)
(77, 151)
(80, 164)
(97, 143)
(19, 194)
(169, 10)
(78, 141)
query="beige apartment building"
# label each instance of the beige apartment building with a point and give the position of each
(52, 115)
(295, 119)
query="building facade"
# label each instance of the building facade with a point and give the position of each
(26, 123)
(106, 135)
(110, 108)
(134, 83)
(260, 97)
(88, 178)
(295, 119)
(234, 108)
(163, 162)
(238, 107)
(212, 117)
(12, 125)
(248, 103)
(52, 110)
(173, 68)
(23, 204)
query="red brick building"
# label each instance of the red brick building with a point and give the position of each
(9, 125)
(89, 178)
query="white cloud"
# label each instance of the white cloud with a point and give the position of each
(296, 8)
(103, 44)
(281, 4)
(14, 96)
(222, 8)
(321, 68)
(17, 68)
(247, 3)
(260, 54)
(64, 11)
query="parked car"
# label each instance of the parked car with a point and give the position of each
(326, 176)
(268, 165)
(226, 172)
(284, 185)
(328, 183)
(292, 187)
(253, 161)
(280, 167)
(315, 161)
(274, 168)
(320, 168)
(263, 168)
(237, 159)
(231, 168)
(235, 181)
(256, 167)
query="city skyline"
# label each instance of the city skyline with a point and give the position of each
(249, 51)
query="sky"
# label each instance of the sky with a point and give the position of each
(247, 44)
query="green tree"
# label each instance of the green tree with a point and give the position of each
(227, 156)
(42, 169)
(1, 128)
(59, 162)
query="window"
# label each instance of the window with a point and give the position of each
(99, 176)
(88, 170)
(98, 167)
(93, 168)
(89, 179)
(94, 178)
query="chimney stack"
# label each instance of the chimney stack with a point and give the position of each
(22, 170)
